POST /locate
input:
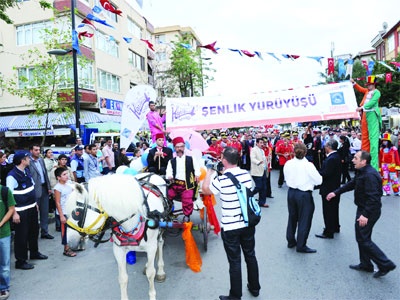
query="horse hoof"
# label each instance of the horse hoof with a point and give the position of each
(160, 278)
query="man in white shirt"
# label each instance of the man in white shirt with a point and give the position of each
(109, 162)
(184, 173)
(301, 177)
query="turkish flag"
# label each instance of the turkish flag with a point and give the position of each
(388, 77)
(364, 62)
(331, 65)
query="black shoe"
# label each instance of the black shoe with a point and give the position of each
(280, 186)
(324, 236)
(306, 250)
(291, 245)
(271, 197)
(381, 273)
(39, 255)
(58, 229)
(23, 266)
(360, 267)
(228, 298)
(254, 293)
(47, 236)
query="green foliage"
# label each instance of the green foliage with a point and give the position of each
(187, 69)
(48, 74)
(4, 4)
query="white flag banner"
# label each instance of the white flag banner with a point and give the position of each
(324, 102)
(136, 106)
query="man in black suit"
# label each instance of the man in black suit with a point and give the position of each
(159, 156)
(331, 173)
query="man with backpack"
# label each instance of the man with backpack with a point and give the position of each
(236, 235)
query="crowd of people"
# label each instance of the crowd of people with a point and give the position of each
(33, 178)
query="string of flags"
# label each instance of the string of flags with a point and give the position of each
(87, 29)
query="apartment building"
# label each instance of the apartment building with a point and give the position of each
(120, 60)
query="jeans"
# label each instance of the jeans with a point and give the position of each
(234, 240)
(5, 254)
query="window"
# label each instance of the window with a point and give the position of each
(30, 34)
(134, 29)
(390, 43)
(136, 60)
(85, 76)
(107, 44)
(160, 39)
(108, 81)
(161, 56)
(26, 78)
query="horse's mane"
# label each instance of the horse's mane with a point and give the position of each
(119, 195)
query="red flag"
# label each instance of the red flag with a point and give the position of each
(388, 77)
(86, 21)
(365, 64)
(331, 65)
(108, 6)
(397, 64)
(247, 53)
(150, 45)
(84, 33)
(210, 47)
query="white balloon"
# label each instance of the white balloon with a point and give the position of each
(121, 169)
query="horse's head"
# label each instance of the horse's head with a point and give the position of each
(84, 214)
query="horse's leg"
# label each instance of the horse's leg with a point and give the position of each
(120, 257)
(160, 276)
(151, 255)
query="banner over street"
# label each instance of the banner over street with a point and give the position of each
(317, 103)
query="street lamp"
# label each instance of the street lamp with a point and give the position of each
(75, 72)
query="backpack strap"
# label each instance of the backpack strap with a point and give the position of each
(233, 179)
(4, 195)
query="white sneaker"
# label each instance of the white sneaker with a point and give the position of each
(4, 295)
(384, 194)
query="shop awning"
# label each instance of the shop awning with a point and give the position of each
(33, 122)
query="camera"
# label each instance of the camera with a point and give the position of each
(217, 166)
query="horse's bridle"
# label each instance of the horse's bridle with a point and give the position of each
(80, 215)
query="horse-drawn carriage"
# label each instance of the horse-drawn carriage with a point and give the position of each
(137, 212)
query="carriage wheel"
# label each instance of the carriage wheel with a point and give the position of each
(205, 228)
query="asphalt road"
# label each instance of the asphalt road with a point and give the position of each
(284, 273)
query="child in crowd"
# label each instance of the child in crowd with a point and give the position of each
(61, 191)
(7, 207)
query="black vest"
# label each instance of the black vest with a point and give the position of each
(24, 182)
(189, 172)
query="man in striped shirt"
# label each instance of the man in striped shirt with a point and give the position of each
(235, 234)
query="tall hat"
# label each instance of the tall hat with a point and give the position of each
(371, 80)
(177, 140)
(386, 137)
(159, 136)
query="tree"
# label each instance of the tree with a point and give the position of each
(47, 80)
(187, 68)
(4, 4)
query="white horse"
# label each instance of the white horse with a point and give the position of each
(129, 203)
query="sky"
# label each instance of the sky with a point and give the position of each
(305, 28)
